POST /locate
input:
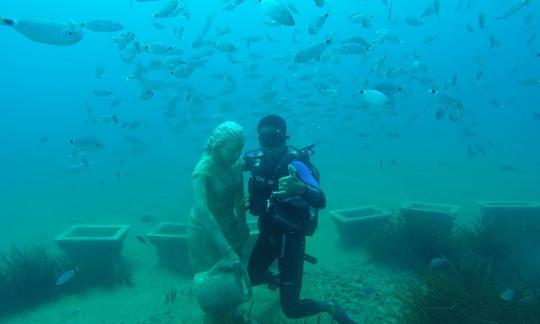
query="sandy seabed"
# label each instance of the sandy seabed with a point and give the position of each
(365, 289)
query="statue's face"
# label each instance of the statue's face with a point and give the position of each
(230, 151)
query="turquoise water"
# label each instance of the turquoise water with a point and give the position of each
(367, 154)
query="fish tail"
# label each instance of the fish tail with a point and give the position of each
(7, 22)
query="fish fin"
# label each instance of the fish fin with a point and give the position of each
(6, 21)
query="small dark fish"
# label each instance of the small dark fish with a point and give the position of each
(508, 168)
(394, 163)
(65, 277)
(508, 295)
(141, 239)
(43, 140)
(438, 262)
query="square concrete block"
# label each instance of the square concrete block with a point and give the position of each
(515, 219)
(429, 209)
(86, 244)
(355, 224)
(170, 240)
(509, 208)
(430, 215)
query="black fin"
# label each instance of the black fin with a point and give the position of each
(6, 21)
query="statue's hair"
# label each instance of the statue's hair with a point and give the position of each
(224, 132)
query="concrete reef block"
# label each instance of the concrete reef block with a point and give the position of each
(510, 208)
(429, 216)
(517, 219)
(170, 240)
(356, 224)
(87, 244)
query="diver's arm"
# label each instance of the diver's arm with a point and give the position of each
(207, 220)
(315, 197)
(312, 194)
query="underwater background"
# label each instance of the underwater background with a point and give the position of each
(153, 125)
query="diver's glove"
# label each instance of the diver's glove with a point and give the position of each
(290, 185)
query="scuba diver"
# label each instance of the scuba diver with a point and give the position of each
(285, 195)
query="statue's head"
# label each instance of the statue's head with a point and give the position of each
(226, 142)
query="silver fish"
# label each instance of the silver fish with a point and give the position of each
(353, 48)
(65, 277)
(167, 10)
(279, 13)
(413, 21)
(312, 52)
(46, 31)
(87, 144)
(317, 23)
(514, 9)
(319, 3)
(102, 25)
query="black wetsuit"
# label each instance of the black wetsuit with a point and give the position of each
(283, 227)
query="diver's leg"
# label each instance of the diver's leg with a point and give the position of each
(260, 259)
(291, 267)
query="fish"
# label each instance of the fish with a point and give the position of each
(102, 93)
(482, 20)
(157, 48)
(436, 6)
(508, 295)
(529, 17)
(429, 11)
(46, 31)
(279, 12)
(159, 26)
(508, 168)
(77, 168)
(430, 38)
(388, 88)
(365, 21)
(115, 103)
(65, 277)
(413, 21)
(493, 40)
(252, 39)
(105, 120)
(358, 40)
(168, 10)
(312, 51)
(143, 240)
(536, 115)
(199, 40)
(43, 140)
(102, 26)
(514, 9)
(317, 23)
(529, 82)
(374, 98)
(182, 71)
(319, 3)
(87, 144)
(293, 8)
(353, 48)
(438, 262)
(146, 94)
(123, 39)
(226, 47)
